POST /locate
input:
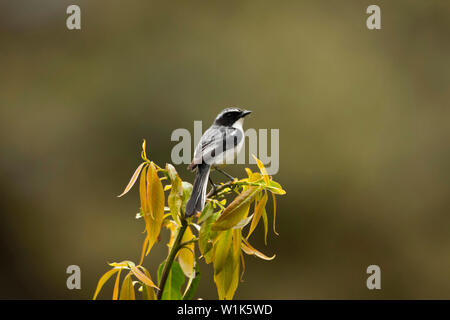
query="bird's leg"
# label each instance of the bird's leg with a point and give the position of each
(213, 185)
(226, 174)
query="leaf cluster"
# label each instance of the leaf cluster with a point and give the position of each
(217, 232)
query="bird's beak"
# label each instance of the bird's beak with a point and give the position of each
(245, 113)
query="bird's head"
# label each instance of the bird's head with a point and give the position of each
(230, 116)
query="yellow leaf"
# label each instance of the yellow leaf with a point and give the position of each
(226, 276)
(274, 213)
(143, 153)
(103, 280)
(186, 254)
(148, 292)
(248, 249)
(206, 236)
(236, 245)
(173, 229)
(171, 171)
(243, 266)
(116, 286)
(127, 290)
(236, 210)
(275, 187)
(224, 281)
(187, 190)
(256, 176)
(241, 224)
(175, 198)
(222, 248)
(143, 194)
(236, 253)
(144, 248)
(262, 169)
(249, 172)
(126, 264)
(257, 215)
(155, 201)
(149, 184)
(123, 264)
(141, 276)
(266, 225)
(132, 180)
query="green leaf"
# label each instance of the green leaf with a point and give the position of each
(187, 190)
(175, 199)
(206, 213)
(175, 280)
(275, 187)
(206, 236)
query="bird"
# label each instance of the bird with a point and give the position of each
(218, 146)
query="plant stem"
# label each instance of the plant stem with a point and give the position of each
(188, 242)
(171, 258)
(216, 190)
(231, 184)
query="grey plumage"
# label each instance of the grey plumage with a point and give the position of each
(198, 196)
(218, 145)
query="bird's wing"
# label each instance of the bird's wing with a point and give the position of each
(215, 140)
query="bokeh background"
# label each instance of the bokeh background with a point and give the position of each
(364, 137)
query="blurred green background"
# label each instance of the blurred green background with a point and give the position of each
(364, 137)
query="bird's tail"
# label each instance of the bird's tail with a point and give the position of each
(198, 197)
